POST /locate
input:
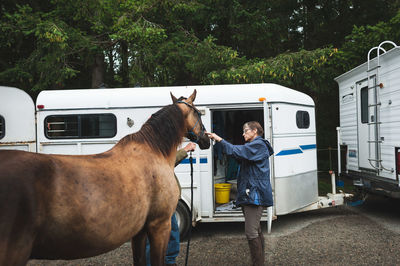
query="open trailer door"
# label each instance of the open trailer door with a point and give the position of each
(295, 159)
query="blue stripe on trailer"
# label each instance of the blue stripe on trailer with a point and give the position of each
(202, 160)
(308, 147)
(186, 161)
(289, 152)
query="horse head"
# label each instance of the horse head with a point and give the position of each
(195, 130)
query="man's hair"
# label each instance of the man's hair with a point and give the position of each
(255, 125)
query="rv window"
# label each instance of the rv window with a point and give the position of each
(364, 105)
(302, 119)
(80, 126)
(2, 127)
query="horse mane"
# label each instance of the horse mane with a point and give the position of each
(162, 131)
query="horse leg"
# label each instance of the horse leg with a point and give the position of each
(159, 234)
(16, 257)
(15, 250)
(17, 230)
(138, 244)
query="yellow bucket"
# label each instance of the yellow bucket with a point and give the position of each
(222, 191)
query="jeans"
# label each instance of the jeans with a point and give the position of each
(173, 244)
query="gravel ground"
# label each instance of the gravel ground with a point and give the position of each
(337, 236)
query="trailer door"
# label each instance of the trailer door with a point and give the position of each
(366, 129)
(295, 159)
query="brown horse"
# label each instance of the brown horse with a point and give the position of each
(69, 207)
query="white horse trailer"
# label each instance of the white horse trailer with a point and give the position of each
(92, 120)
(369, 133)
(17, 120)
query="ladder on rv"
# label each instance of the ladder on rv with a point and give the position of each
(375, 85)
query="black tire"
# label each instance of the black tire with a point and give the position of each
(183, 218)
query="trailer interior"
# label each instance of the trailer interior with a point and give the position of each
(228, 124)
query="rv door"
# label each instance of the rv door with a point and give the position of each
(366, 118)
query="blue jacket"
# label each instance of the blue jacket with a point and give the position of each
(254, 186)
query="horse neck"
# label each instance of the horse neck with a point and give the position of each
(163, 132)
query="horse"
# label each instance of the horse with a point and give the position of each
(78, 206)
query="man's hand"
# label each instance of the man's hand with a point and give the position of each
(190, 147)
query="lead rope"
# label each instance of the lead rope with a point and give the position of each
(191, 207)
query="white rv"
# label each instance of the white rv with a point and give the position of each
(369, 133)
(93, 120)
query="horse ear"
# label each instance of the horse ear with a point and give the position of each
(174, 99)
(192, 97)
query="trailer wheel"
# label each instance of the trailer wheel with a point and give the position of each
(183, 218)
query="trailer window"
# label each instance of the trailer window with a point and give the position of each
(82, 126)
(302, 119)
(2, 127)
(364, 105)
